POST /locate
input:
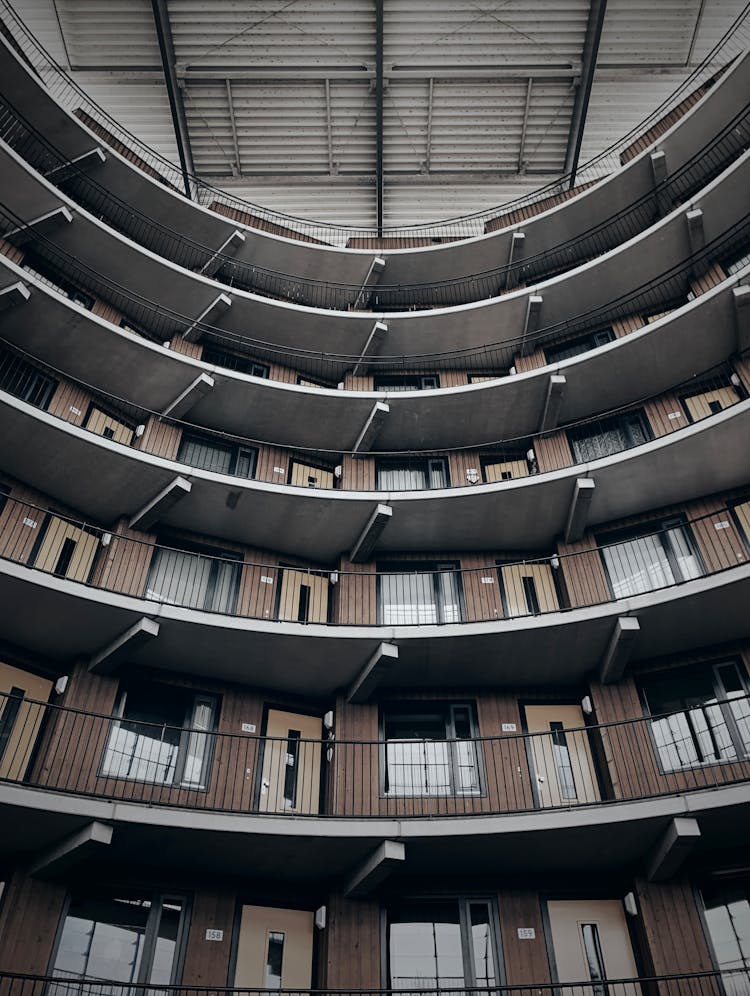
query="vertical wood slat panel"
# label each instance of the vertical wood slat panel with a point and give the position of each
(553, 452)
(29, 916)
(353, 943)
(526, 962)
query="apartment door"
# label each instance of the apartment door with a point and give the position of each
(590, 941)
(529, 589)
(274, 949)
(303, 597)
(290, 778)
(20, 719)
(66, 550)
(561, 758)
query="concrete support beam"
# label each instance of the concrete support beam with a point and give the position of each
(227, 248)
(374, 344)
(553, 400)
(42, 225)
(215, 309)
(372, 674)
(375, 869)
(659, 174)
(532, 322)
(160, 505)
(124, 647)
(516, 252)
(741, 302)
(619, 649)
(81, 164)
(671, 850)
(381, 516)
(13, 295)
(697, 241)
(190, 397)
(371, 428)
(371, 281)
(578, 513)
(72, 850)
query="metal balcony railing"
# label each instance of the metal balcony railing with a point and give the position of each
(707, 163)
(729, 982)
(666, 291)
(124, 757)
(580, 443)
(398, 593)
(70, 96)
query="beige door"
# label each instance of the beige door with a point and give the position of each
(104, 425)
(302, 475)
(591, 942)
(290, 778)
(561, 756)
(699, 405)
(743, 515)
(505, 470)
(19, 719)
(529, 588)
(274, 949)
(304, 596)
(66, 550)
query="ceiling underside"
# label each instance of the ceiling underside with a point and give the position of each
(478, 96)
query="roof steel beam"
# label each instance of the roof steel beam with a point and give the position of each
(591, 42)
(379, 22)
(357, 74)
(176, 105)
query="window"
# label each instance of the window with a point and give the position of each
(220, 458)
(700, 715)
(406, 382)
(574, 347)
(607, 436)
(655, 560)
(727, 909)
(199, 579)
(447, 944)
(47, 274)
(124, 938)
(24, 381)
(419, 593)
(430, 750)
(162, 735)
(411, 475)
(736, 262)
(233, 361)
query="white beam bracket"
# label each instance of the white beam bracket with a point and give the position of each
(580, 505)
(553, 400)
(531, 322)
(371, 428)
(372, 674)
(619, 649)
(371, 281)
(672, 848)
(658, 162)
(697, 240)
(374, 344)
(227, 248)
(72, 849)
(379, 519)
(741, 302)
(216, 308)
(158, 507)
(81, 164)
(375, 869)
(516, 252)
(42, 225)
(190, 397)
(15, 294)
(124, 647)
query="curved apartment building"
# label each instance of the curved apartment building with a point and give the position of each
(374, 605)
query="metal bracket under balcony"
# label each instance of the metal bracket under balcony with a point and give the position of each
(14, 295)
(227, 248)
(373, 673)
(190, 397)
(42, 225)
(553, 400)
(532, 322)
(215, 309)
(72, 850)
(741, 301)
(619, 649)
(381, 516)
(371, 281)
(672, 849)
(516, 252)
(375, 869)
(371, 428)
(124, 647)
(89, 160)
(159, 505)
(374, 344)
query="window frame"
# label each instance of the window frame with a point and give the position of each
(380, 382)
(236, 451)
(446, 710)
(237, 362)
(155, 897)
(711, 667)
(661, 529)
(587, 342)
(422, 464)
(216, 555)
(193, 698)
(623, 422)
(463, 901)
(34, 375)
(432, 567)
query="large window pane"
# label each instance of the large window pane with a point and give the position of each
(728, 919)
(425, 947)
(199, 582)
(637, 565)
(431, 754)
(408, 599)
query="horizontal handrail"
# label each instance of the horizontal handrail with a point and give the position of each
(606, 234)
(708, 983)
(396, 594)
(119, 756)
(71, 96)
(663, 292)
(580, 442)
